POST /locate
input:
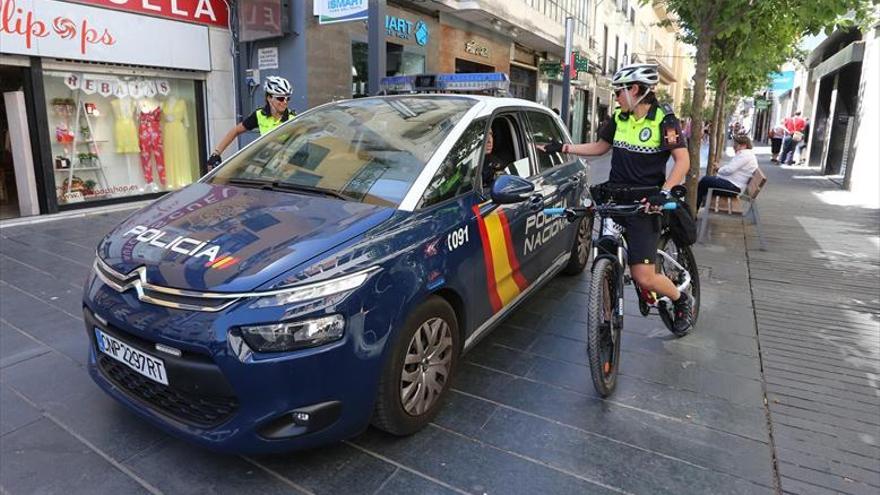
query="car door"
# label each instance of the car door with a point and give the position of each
(453, 252)
(507, 268)
(560, 178)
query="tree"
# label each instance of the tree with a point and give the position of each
(734, 38)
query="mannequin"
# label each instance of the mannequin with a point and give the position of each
(125, 131)
(150, 139)
(178, 159)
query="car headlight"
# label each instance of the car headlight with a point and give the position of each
(288, 336)
(285, 296)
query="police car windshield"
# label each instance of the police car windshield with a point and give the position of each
(369, 150)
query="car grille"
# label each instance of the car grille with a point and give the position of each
(198, 410)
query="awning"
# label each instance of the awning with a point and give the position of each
(852, 53)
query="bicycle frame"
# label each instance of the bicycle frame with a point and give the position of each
(612, 245)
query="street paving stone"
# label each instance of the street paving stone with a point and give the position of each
(795, 326)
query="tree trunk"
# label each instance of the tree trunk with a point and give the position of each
(720, 132)
(702, 71)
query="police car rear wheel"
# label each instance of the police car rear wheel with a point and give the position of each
(420, 369)
(580, 252)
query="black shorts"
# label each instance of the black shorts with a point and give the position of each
(642, 236)
(775, 145)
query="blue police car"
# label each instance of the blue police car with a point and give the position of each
(332, 273)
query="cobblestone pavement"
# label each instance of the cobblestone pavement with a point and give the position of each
(689, 414)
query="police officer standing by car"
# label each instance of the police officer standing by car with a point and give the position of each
(274, 113)
(643, 134)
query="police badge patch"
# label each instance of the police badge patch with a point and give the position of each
(645, 134)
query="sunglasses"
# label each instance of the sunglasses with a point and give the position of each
(619, 90)
(281, 98)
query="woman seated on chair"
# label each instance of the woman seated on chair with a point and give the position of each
(733, 176)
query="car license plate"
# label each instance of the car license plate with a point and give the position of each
(149, 366)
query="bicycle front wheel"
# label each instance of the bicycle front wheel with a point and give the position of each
(603, 326)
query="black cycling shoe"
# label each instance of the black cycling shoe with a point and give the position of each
(683, 310)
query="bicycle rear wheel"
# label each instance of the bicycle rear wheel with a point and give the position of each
(603, 327)
(685, 257)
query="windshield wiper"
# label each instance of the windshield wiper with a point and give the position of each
(286, 186)
(291, 186)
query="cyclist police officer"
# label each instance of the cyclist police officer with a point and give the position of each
(273, 114)
(643, 134)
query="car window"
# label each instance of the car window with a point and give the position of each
(544, 129)
(456, 173)
(369, 150)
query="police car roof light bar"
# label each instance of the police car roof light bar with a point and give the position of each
(494, 83)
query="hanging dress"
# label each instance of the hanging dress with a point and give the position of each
(178, 159)
(125, 132)
(150, 135)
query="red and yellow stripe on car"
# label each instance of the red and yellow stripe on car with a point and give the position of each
(503, 276)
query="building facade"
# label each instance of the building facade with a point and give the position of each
(95, 113)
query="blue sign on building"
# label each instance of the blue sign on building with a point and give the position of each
(782, 81)
(404, 29)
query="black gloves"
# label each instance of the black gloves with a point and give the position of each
(214, 160)
(658, 199)
(553, 147)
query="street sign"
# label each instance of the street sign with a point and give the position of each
(762, 104)
(581, 64)
(550, 69)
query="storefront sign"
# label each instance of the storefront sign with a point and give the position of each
(782, 81)
(550, 69)
(475, 48)
(581, 64)
(49, 28)
(260, 19)
(267, 58)
(211, 12)
(404, 29)
(330, 11)
(110, 85)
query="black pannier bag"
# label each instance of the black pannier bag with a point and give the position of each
(682, 225)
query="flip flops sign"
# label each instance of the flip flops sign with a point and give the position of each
(106, 86)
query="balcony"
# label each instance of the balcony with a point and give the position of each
(664, 67)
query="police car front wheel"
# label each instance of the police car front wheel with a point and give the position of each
(580, 250)
(419, 372)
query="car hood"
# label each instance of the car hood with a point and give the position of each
(231, 239)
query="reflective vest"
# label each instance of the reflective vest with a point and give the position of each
(640, 136)
(266, 123)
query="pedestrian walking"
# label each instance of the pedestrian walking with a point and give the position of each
(776, 135)
(802, 145)
(794, 126)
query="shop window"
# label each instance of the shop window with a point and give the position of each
(544, 130)
(466, 66)
(359, 69)
(456, 174)
(115, 136)
(399, 60)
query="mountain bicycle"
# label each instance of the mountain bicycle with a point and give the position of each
(609, 274)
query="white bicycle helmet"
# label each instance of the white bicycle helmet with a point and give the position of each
(644, 74)
(277, 86)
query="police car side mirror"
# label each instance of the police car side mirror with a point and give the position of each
(509, 189)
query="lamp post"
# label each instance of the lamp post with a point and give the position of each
(566, 68)
(376, 42)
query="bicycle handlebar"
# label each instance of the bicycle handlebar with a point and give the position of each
(623, 210)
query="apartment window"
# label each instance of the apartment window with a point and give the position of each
(632, 16)
(616, 52)
(625, 59)
(605, 49)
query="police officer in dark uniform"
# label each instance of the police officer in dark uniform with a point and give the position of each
(643, 134)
